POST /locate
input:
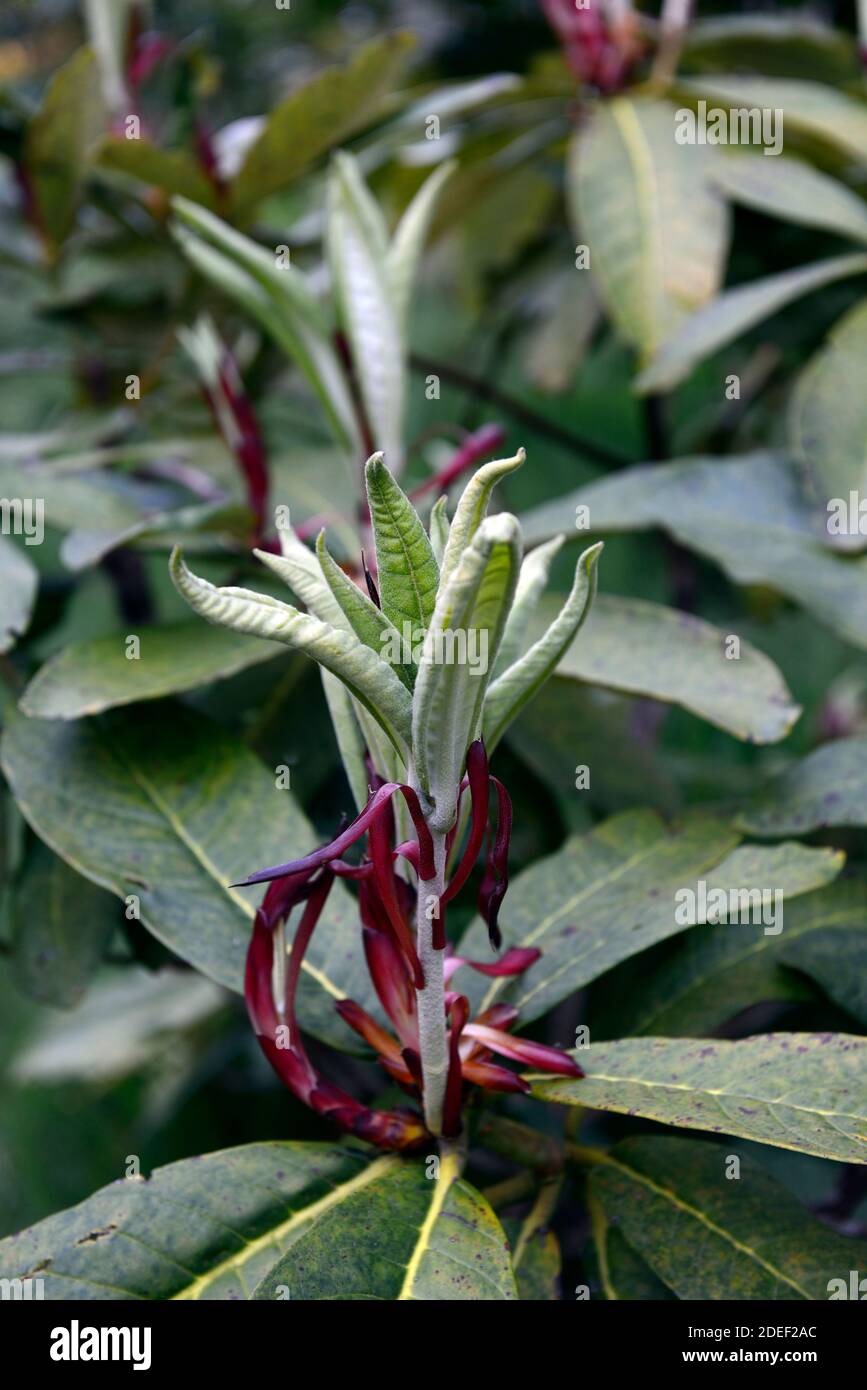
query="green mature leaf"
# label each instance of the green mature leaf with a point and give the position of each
(61, 925)
(130, 1019)
(536, 1259)
(60, 141)
(407, 571)
(531, 583)
(19, 580)
(164, 806)
(714, 975)
(812, 111)
(794, 191)
(472, 508)
(284, 309)
(710, 1237)
(350, 740)
(174, 172)
(318, 116)
(746, 513)
(409, 238)
(605, 896)
(450, 687)
(733, 313)
(369, 623)
(88, 677)
(836, 958)
(402, 1237)
(508, 694)
(802, 1091)
(277, 1220)
(370, 679)
(828, 787)
(656, 226)
(785, 44)
(828, 423)
(644, 648)
(623, 1274)
(366, 305)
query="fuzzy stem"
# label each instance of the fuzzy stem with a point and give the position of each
(431, 999)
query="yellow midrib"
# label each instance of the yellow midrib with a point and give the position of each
(449, 1171)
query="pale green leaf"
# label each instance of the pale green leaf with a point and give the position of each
(438, 528)
(19, 580)
(836, 958)
(794, 191)
(471, 510)
(409, 238)
(531, 584)
(828, 787)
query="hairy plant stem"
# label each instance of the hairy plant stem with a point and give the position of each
(431, 999)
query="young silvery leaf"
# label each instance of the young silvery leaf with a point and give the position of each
(472, 507)
(409, 238)
(531, 583)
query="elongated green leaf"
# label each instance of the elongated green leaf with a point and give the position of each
(748, 514)
(712, 1238)
(531, 583)
(836, 958)
(656, 227)
(471, 612)
(87, 677)
(517, 685)
(298, 567)
(350, 740)
(620, 647)
(714, 975)
(317, 117)
(409, 238)
(439, 528)
(802, 1091)
(607, 895)
(793, 44)
(471, 509)
(163, 807)
(19, 580)
(407, 570)
(733, 313)
(283, 310)
(174, 172)
(622, 1273)
(828, 425)
(330, 1221)
(828, 787)
(61, 925)
(366, 305)
(60, 141)
(536, 1256)
(369, 623)
(812, 111)
(402, 1237)
(794, 191)
(371, 680)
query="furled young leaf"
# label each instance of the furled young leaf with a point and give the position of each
(60, 142)
(61, 925)
(279, 299)
(714, 975)
(734, 312)
(508, 694)
(366, 306)
(828, 422)
(407, 572)
(656, 226)
(438, 528)
(794, 191)
(19, 580)
(369, 623)
(370, 679)
(163, 805)
(710, 1237)
(409, 238)
(318, 116)
(531, 584)
(450, 687)
(350, 740)
(828, 787)
(747, 513)
(607, 895)
(87, 677)
(620, 647)
(802, 1091)
(403, 1237)
(472, 508)
(298, 567)
(334, 1223)
(836, 958)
